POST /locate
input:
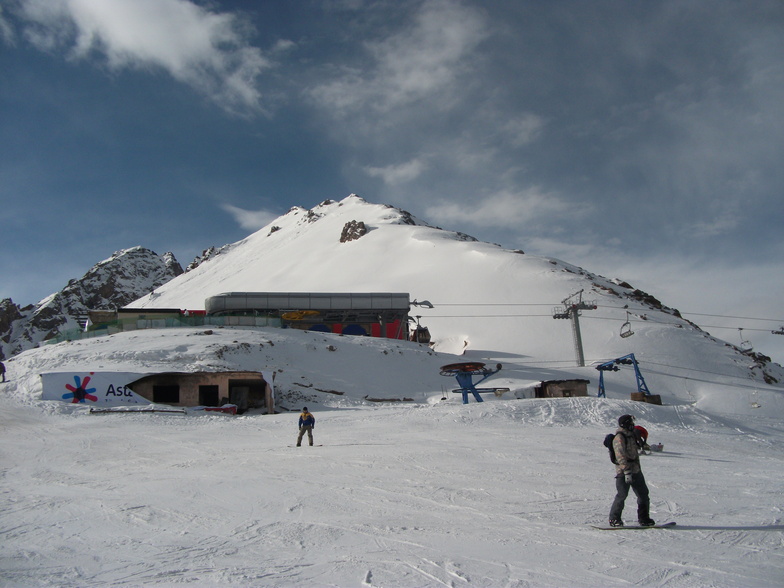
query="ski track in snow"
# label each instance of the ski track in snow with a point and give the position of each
(427, 493)
(492, 495)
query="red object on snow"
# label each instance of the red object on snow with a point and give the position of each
(228, 409)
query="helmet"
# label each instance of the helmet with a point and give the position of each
(642, 431)
(304, 409)
(626, 421)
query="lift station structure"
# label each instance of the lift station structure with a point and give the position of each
(612, 366)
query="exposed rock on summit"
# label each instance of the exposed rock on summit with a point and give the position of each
(352, 231)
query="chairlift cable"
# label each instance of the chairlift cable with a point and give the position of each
(625, 307)
(682, 313)
(649, 318)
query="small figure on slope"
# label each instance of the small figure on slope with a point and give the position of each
(628, 474)
(307, 423)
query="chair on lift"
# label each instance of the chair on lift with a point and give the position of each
(626, 328)
(745, 345)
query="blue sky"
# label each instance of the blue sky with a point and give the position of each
(639, 140)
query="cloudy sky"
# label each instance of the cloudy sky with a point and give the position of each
(639, 140)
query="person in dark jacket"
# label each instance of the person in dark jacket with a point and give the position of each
(306, 424)
(2, 370)
(628, 474)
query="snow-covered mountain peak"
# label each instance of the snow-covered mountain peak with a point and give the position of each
(352, 208)
(488, 300)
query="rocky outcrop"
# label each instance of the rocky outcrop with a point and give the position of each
(206, 255)
(352, 231)
(124, 277)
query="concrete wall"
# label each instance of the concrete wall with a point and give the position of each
(245, 389)
(562, 389)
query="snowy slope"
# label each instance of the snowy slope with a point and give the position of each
(423, 493)
(489, 301)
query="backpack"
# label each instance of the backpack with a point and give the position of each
(608, 443)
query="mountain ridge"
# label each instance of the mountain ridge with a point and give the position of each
(488, 299)
(111, 283)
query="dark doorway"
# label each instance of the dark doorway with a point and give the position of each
(209, 395)
(247, 394)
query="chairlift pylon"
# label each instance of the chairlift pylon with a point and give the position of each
(626, 328)
(612, 366)
(745, 345)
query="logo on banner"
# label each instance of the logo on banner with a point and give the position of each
(80, 392)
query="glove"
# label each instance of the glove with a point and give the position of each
(627, 478)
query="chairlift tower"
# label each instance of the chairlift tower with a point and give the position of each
(612, 366)
(572, 305)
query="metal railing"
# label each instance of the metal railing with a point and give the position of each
(120, 326)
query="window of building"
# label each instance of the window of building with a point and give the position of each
(166, 394)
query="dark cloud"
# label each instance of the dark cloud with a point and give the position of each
(643, 136)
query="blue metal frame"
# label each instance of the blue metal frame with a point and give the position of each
(612, 366)
(466, 383)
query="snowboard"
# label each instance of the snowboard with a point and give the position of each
(628, 527)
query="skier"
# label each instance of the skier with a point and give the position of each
(628, 474)
(466, 382)
(306, 424)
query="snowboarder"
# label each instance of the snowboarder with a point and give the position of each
(306, 424)
(2, 370)
(628, 474)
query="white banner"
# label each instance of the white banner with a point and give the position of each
(94, 388)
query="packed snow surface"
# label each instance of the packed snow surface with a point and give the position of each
(423, 492)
